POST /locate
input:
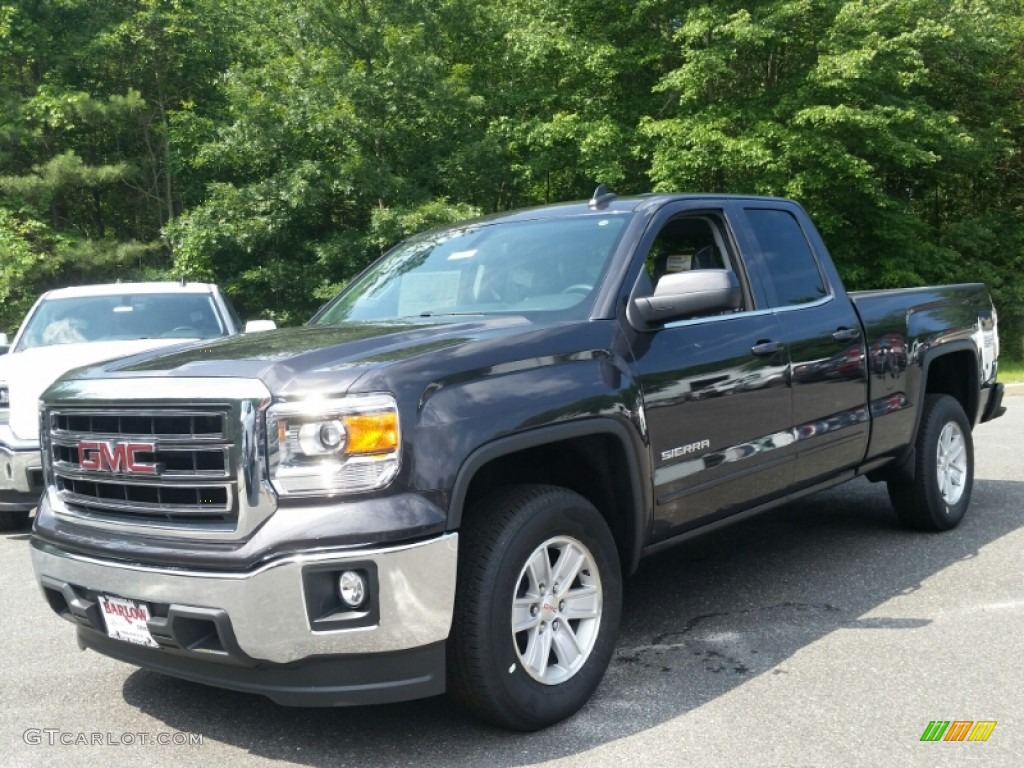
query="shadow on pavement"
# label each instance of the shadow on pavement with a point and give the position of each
(699, 620)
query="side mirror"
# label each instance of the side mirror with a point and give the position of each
(256, 326)
(685, 294)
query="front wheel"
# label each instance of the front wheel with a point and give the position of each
(537, 606)
(938, 496)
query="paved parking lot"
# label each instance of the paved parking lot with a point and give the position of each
(819, 634)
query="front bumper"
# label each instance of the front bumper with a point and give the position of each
(274, 629)
(21, 473)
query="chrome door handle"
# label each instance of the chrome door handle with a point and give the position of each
(765, 348)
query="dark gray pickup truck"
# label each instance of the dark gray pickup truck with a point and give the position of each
(441, 481)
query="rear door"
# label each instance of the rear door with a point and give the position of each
(716, 392)
(822, 335)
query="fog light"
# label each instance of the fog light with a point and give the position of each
(352, 588)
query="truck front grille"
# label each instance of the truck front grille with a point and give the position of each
(162, 465)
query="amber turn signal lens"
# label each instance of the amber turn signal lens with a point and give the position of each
(371, 432)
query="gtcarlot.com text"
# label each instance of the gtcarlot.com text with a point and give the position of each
(51, 737)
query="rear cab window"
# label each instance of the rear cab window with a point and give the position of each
(792, 274)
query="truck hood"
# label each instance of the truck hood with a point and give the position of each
(291, 361)
(29, 373)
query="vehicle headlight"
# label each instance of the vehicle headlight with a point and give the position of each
(326, 446)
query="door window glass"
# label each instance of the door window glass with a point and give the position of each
(791, 265)
(686, 244)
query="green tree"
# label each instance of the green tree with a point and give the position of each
(350, 125)
(891, 120)
(87, 91)
(278, 149)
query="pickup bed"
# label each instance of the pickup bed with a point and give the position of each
(441, 481)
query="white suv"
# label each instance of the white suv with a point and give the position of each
(70, 327)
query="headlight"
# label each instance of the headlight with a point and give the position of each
(343, 445)
(5, 403)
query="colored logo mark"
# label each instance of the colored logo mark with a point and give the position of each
(958, 730)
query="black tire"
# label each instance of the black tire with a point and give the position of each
(489, 667)
(12, 520)
(920, 503)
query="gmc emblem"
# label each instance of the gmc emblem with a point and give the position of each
(113, 456)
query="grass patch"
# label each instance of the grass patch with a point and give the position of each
(1011, 372)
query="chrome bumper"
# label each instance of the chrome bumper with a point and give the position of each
(19, 460)
(267, 607)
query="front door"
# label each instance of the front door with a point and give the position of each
(716, 391)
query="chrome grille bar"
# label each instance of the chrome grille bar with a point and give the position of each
(184, 425)
(158, 509)
(178, 461)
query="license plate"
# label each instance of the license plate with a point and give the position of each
(126, 620)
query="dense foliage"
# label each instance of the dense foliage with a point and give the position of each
(278, 148)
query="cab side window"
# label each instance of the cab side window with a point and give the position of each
(794, 272)
(685, 244)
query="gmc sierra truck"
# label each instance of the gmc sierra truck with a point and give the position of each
(441, 481)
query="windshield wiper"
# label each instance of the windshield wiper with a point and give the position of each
(428, 313)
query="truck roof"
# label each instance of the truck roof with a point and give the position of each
(613, 203)
(118, 289)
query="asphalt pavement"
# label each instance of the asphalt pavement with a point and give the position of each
(820, 634)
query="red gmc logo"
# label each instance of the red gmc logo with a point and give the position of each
(112, 456)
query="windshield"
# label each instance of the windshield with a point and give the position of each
(113, 318)
(543, 265)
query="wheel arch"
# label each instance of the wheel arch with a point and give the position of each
(953, 370)
(950, 368)
(594, 458)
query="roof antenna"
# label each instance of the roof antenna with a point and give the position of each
(182, 281)
(602, 196)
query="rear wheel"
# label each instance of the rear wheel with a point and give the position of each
(938, 496)
(537, 606)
